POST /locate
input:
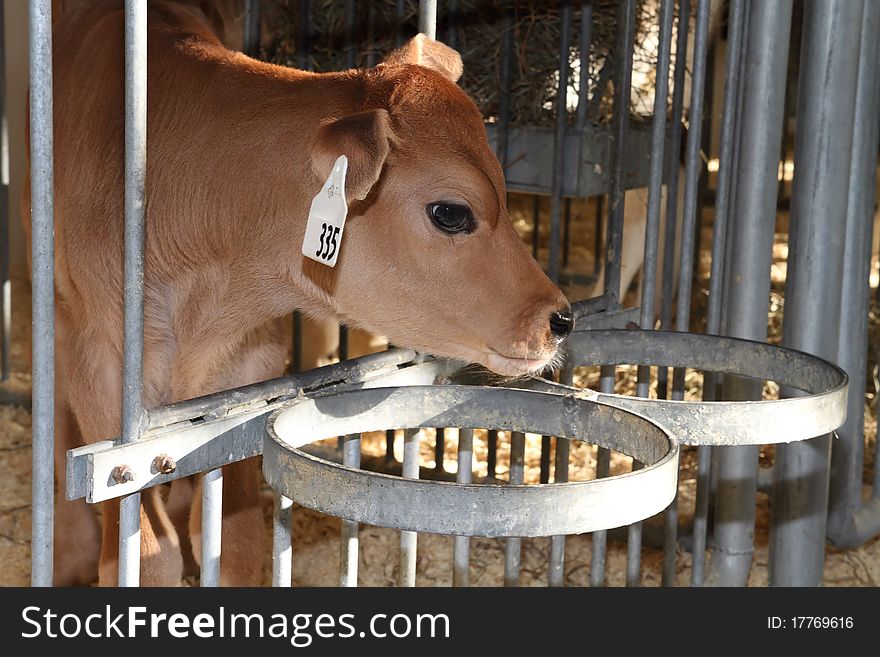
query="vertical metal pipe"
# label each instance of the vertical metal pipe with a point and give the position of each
(492, 453)
(584, 42)
(133, 326)
(212, 526)
(439, 449)
(603, 467)
(652, 235)
(847, 452)
(251, 37)
(408, 540)
(42, 284)
(672, 170)
(5, 286)
(428, 18)
(505, 76)
(556, 574)
(823, 150)
(389, 444)
(461, 554)
(725, 166)
(559, 141)
(513, 546)
(626, 18)
(707, 458)
(748, 286)
(282, 549)
(349, 543)
(693, 164)
(655, 179)
(546, 448)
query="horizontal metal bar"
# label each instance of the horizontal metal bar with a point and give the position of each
(198, 444)
(217, 404)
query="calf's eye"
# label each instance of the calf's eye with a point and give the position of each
(451, 218)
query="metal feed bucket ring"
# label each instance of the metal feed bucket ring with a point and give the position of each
(821, 410)
(469, 509)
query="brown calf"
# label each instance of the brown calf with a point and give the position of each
(237, 151)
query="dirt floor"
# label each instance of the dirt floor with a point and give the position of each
(316, 537)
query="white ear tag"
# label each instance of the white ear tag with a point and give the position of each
(323, 237)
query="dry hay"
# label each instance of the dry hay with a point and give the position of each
(478, 28)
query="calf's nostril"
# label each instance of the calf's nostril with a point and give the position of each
(561, 324)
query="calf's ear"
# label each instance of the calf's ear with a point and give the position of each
(365, 138)
(429, 53)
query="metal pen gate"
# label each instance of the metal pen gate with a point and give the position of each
(838, 101)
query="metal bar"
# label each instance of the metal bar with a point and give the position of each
(251, 24)
(43, 290)
(428, 18)
(692, 174)
(823, 152)
(692, 166)
(619, 129)
(491, 453)
(505, 76)
(559, 141)
(439, 448)
(725, 168)
(673, 168)
(655, 182)
(212, 527)
(133, 326)
(282, 549)
(389, 444)
(5, 285)
(513, 546)
(603, 467)
(461, 554)
(652, 236)
(707, 460)
(748, 287)
(546, 448)
(258, 393)
(847, 452)
(349, 543)
(408, 540)
(585, 40)
(556, 573)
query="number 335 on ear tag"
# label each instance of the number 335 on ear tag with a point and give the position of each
(323, 237)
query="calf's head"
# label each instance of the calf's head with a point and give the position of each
(430, 257)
